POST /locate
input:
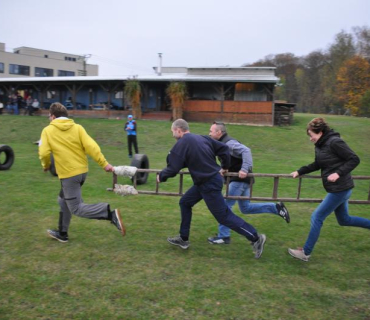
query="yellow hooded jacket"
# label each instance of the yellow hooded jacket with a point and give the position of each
(69, 143)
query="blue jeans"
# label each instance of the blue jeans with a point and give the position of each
(211, 192)
(237, 188)
(14, 108)
(337, 202)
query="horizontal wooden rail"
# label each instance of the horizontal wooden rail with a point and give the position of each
(274, 196)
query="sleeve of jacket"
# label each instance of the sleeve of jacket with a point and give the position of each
(92, 148)
(241, 151)
(44, 150)
(314, 166)
(343, 151)
(174, 164)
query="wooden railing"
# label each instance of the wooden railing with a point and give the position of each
(274, 196)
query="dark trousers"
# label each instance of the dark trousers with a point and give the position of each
(211, 193)
(131, 140)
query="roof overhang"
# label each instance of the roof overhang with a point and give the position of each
(157, 78)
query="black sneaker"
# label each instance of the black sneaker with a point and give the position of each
(259, 245)
(219, 240)
(117, 221)
(283, 211)
(177, 241)
(55, 234)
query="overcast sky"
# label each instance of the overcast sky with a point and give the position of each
(124, 37)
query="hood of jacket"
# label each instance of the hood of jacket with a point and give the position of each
(62, 124)
(325, 137)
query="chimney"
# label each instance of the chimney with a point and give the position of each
(159, 71)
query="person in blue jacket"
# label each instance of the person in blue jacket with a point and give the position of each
(131, 129)
(198, 153)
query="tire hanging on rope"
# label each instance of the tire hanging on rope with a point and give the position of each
(140, 161)
(9, 157)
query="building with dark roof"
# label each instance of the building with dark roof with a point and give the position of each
(230, 94)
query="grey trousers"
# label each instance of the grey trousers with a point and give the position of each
(70, 202)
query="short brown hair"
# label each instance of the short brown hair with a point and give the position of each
(58, 110)
(318, 125)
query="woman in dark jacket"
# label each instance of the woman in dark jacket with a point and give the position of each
(336, 161)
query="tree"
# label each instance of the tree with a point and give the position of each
(363, 41)
(365, 104)
(353, 82)
(132, 92)
(286, 65)
(310, 83)
(341, 50)
(177, 92)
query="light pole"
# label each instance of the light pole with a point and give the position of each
(84, 59)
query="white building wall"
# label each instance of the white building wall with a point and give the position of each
(44, 59)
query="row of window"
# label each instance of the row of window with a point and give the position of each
(39, 72)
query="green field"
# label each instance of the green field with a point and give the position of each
(100, 275)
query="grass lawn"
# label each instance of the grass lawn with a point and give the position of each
(100, 275)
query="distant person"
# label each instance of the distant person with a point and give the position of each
(198, 154)
(131, 129)
(1, 107)
(19, 101)
(35, 106)
(336, 161)
(29, 108)
(70, 143)
(13, 104)
(242, 163)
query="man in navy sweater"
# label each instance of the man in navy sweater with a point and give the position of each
(198, 154)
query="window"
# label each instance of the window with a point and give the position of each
(18, 69)
(69, 59)
(1, 67)
(64, 73)
(250, 92)
(43, 72)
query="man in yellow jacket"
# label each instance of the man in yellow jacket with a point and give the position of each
(70, 143)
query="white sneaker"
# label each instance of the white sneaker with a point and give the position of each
(259, 245)
(298, 254)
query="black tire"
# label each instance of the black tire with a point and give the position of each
(9, 157)
(52, 169)
(140, 161)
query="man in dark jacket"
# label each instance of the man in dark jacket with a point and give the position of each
(198, 153)
(242, 163)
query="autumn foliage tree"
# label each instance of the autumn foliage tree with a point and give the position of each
(323, 81)
(353, 81)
